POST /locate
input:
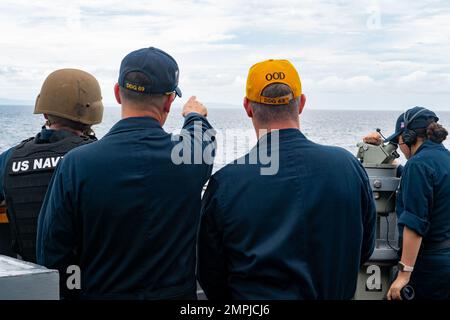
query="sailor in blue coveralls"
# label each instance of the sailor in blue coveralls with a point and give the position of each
(126, 208)
(298, 227)
(423, 205)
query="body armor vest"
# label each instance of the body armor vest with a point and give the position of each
(27, 176)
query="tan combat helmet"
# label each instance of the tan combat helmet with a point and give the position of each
(71, 94)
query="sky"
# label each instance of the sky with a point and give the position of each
(355, 54)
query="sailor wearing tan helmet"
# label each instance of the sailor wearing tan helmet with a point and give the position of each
(71, 103)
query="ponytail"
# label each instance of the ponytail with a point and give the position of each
(436, 132)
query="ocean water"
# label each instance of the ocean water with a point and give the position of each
(343, 128)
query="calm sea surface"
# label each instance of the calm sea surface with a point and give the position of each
(337, 127)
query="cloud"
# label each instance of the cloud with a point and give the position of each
(340, 47)
(353, 84)
(423, 82)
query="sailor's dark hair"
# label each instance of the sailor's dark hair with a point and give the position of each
(85, 128)
(139, 98)
(267, 113)
(436, 132)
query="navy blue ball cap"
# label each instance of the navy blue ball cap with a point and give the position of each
(158, 66)
(414, 118)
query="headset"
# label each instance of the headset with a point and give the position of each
(410, 136)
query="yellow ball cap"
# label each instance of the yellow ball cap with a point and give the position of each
(271, 71)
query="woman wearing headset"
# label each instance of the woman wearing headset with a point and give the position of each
(423, 206)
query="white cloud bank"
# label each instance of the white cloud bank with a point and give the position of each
(350, 54)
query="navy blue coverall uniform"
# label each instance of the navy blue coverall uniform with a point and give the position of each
(302, 233)
(126, 213)
(423, 205)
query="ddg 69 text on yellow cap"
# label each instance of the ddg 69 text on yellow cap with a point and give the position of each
(272, 71)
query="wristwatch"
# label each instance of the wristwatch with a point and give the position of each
(404, 268)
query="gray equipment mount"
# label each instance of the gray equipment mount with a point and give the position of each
(376, 275)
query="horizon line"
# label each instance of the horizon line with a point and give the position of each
(235, 107)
